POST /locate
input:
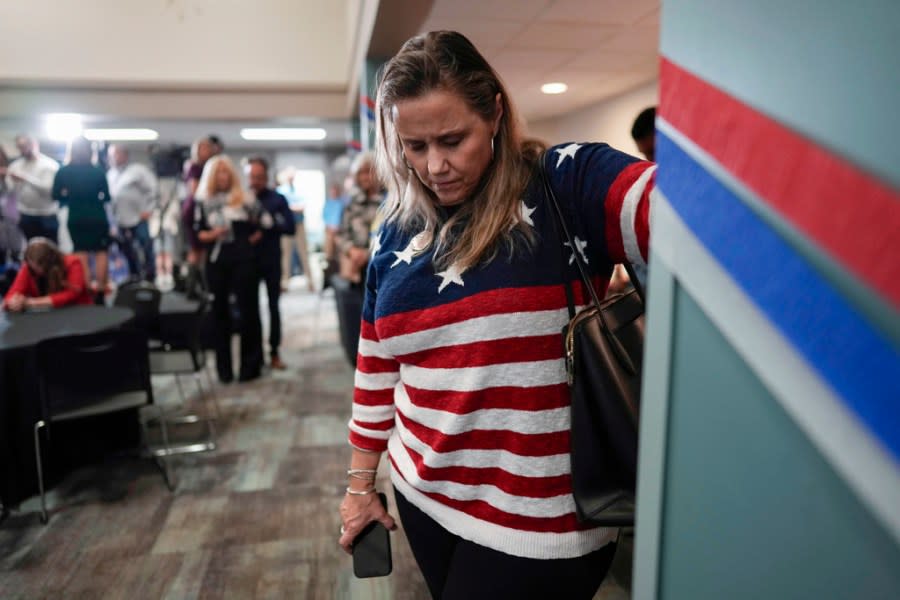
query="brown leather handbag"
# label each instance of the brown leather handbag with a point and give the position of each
(604, 345)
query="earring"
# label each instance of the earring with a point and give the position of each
(492, 148)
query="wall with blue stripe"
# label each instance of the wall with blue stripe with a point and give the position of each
(764, 477)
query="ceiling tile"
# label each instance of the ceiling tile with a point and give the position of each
(524, 10)
(612, 12)
(633, 39)
(484, 33)
(563, 36)
(605, 61)
(512, 59)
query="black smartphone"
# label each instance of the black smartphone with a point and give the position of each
(372, 549)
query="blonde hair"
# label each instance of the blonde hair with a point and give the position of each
(206, 188)
(491, 219)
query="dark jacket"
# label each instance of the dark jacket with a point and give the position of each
(281, 223)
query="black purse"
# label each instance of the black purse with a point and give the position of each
(604, 345)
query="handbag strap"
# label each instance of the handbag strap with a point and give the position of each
(561, 221)
(582, 269)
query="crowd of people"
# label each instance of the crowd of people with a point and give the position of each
(446, 221)
(236, 236)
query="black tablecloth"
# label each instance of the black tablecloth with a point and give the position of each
(20, 408)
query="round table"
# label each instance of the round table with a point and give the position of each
(19, 407)
(22, 330)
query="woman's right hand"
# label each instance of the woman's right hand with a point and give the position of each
(356, 513)
(16, 303)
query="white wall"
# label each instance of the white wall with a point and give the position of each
(609, 121)
(267, 43)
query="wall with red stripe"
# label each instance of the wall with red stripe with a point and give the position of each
(770, 428)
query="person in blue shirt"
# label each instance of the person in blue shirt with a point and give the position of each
(296, 202)
(276, 220)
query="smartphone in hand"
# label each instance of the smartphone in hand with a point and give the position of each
(372, 549)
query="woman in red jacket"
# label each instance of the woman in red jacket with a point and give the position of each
(49, 279)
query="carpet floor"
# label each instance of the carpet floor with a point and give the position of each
(255, 518)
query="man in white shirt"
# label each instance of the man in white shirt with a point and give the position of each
(31, 178)
(133, 189)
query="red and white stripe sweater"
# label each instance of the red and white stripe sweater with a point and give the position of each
(460, 376)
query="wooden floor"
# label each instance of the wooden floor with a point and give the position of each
(257, 518)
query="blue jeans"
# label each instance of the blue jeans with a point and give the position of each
(137, 246)
(39, 226)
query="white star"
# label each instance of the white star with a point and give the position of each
(405, 256)
(451, 275)
(376, 245)
(580, 245)
(568, 151)
(526, 213)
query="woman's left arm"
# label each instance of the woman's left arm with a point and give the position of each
(103, 187)
(75, 286)
(57, 187)
(612, 191)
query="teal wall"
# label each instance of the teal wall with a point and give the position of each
(751, 510)
(735, 500)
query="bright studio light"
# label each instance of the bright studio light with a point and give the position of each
(283, 134)
(554, 88)
(121, 135)
(62, 127)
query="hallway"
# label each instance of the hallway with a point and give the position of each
(255, 519)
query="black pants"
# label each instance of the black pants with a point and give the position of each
(270, 274)
(238, 276)
(39, 226)
(457, 569)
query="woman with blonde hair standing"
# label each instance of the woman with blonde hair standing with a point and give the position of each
(228, 224)
(461, 376)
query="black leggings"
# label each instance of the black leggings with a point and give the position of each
(457, 569)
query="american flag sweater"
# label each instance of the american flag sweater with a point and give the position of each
(460, 375)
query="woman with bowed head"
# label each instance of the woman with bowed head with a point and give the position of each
(228, 223)
(460, 375)
(48, 279)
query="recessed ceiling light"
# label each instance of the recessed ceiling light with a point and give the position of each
(554, 88)
(62, 127)
(283, 134)
(121, 135)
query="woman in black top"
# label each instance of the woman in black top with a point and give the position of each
(229, 224)
(81, 186)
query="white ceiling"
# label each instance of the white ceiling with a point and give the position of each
(187, 67)
(599, 48)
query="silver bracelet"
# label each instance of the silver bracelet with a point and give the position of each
(352, 472)
(371, 490)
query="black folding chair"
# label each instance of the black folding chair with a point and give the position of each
(143, 298)
(178, 351)
(87, 375)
